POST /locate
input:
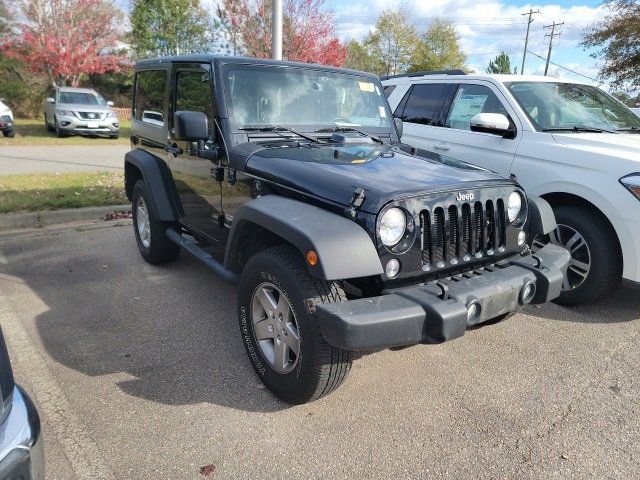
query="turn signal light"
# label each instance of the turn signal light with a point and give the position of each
(312, 258)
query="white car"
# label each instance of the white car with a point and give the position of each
(6, 121)
(568, 142)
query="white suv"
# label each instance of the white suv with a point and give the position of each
(568, 142)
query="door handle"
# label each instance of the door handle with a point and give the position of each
(442, 146)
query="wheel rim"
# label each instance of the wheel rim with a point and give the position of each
(580, 263)
(142, 222)
(275, 327)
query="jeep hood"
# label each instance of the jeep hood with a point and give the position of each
(621, 145)
(385, 173)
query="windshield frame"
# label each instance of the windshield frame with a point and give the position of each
(236, 128)
(549, 129)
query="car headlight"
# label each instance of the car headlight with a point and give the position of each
(66, 113)
(393, 224)
(112, 114)
(632, 183)
(514, 205)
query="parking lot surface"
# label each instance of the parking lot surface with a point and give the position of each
(139, 372)
(22, 159)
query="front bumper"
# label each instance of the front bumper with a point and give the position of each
(21, 445)
(437, 311)
(74, 125)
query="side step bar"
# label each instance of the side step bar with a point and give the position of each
(191, 247)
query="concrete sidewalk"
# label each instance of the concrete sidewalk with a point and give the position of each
(21, 159)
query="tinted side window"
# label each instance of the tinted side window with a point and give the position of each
(193, 93)
(149, 95)
(424, 103)
(470, 100)
(388, 90)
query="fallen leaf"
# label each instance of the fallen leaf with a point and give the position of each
(260, 386)
(207, 470)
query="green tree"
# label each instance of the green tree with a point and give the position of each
(171, 27)
(438, 49)
(501, 64)
(392, 44)
(359, 58)
(617, 40)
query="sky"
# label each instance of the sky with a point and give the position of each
(487, 27)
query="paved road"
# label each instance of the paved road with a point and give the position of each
(139, 372)
(61, 158)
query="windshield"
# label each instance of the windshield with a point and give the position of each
(81, 98)
(552, 105)
(305, 98)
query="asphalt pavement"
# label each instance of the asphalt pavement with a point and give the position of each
(139, 372)
(21, 159)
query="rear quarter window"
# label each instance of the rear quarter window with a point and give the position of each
(149, 96)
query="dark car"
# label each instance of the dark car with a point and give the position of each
(21, 445)
(290, 180)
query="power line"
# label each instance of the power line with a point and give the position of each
(565, 68)
(551, 35)
(526, 40)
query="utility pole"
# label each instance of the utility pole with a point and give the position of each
(276, 29)
(551, 35)
(526, 40)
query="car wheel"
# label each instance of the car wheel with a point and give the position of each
(153, 243)
(9, 133)
(46, 124)
(280, 331)
(59, 132)
(595, 266)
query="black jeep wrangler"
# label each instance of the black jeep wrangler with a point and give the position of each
(290, 180)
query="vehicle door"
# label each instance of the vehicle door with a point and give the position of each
(420, 110)
(456, 139)
(194, 176)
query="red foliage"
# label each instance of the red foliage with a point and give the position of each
(308, 30)
(64, 39)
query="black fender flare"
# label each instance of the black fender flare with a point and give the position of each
(542, 220)
(344, 248)
(165, 202)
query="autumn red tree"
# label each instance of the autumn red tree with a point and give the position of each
(308, 30)
(65, 39)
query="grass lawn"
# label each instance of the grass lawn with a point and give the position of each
(51, 191)
(31, 131)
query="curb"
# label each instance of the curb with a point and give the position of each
(11, 221)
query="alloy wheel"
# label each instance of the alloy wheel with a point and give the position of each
(580, 263)
(142, 222)
(275, 327)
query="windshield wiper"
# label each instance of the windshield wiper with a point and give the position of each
(278, 128)
(579, 129)
(349, 129)
(630, 129)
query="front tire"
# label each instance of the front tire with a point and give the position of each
(59, 132)
(595, 266)
(153, 243)
(9, 133)
(280, 334)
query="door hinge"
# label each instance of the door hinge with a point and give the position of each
(356, 202)
(217, 173)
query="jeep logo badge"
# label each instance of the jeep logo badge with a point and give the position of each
(467, 197)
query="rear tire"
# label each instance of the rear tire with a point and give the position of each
(153, 243)
(596, 264)
(317, 368)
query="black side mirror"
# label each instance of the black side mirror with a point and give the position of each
(399, 127)
(190, 126)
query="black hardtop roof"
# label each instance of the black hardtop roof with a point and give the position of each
(246, 60)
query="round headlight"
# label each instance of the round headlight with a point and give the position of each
(514, 205)
(392, 226)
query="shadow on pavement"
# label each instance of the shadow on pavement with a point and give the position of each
(167, 334)
(623, 305)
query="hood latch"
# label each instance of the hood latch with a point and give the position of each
(356, 201)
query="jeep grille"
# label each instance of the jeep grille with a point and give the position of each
(461, 232)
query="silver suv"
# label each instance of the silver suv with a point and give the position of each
(82, 111)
